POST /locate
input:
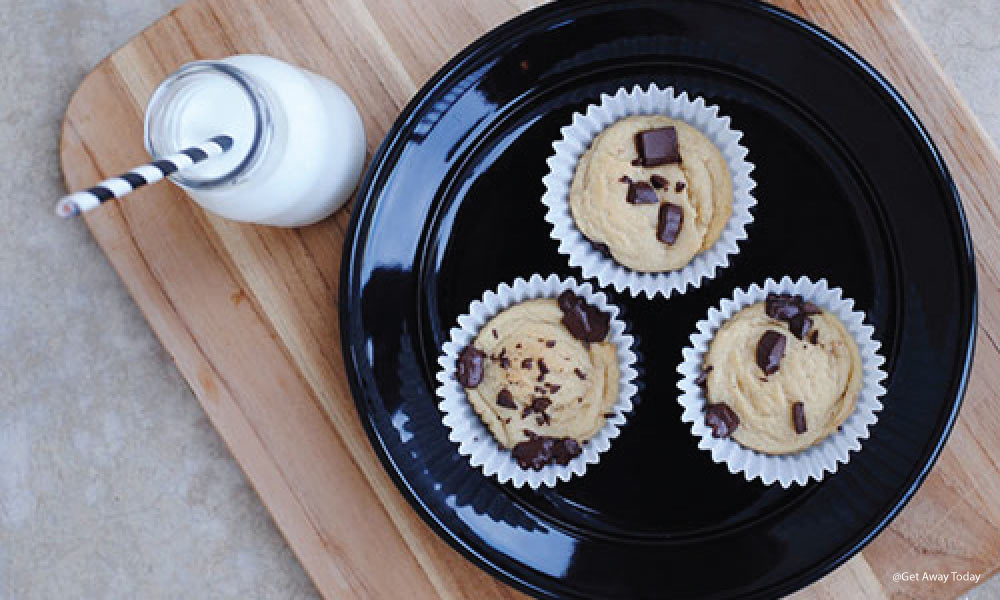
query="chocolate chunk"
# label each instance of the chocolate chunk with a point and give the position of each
(668, 225)
(657, 146)
(785, 307)
(526, 363)
(469, 369)
(770, 351)
(814, 337)
(782, 307)
(659, 181)
(721, 419)
(602, 248)
(506, 399)
(625, 179)
(541, 450)
(584, 322)
(579, 373)
(800, 325)
(799, 417)
(550, 344)
(679, 187)
(702, 377)
(811, 309)
(641, 192)
(543, 369)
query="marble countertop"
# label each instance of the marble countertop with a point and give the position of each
(113, 484)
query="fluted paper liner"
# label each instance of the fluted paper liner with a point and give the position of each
(826, 455)
(467, 429)
(577, 137)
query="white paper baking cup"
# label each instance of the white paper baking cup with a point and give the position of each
(577, 137)
(826, 455)
(467, 429)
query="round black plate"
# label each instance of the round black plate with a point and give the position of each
(850, 188)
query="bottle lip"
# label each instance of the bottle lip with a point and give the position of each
(156, 128)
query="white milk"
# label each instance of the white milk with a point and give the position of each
(299, 145)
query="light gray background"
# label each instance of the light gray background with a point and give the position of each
(112, 482)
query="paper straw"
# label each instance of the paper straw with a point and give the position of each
(116, 187)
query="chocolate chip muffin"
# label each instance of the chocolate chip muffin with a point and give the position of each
(542, 375)
(780, 376)
(653, 191)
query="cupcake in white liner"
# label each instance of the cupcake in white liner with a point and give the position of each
(826, 454)
(467, 428)
(577, 138)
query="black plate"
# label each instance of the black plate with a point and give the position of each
(850, 188)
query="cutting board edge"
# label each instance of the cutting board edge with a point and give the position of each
(960, 105)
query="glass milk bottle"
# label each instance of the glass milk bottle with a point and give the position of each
(298, 142)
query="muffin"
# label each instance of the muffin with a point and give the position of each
(543, 376)
(653, 192)
(780, 375)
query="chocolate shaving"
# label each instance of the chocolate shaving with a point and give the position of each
(814, 337)
(659, 181)
(799, 417)
(543, 369)
(702, 377)
(668, 224)
(770, 351)
(625, 179)
(469, 369)
(502, 358)
(506, 399)
(585, 322)
(540, 403)
(636, 162)
(541, 450)
(721, 419)
(579, 373)
(679, 187)
(553, 387)
(550, 344)
(657, 146)
(495, 336)
(526, 363)
(609, 415)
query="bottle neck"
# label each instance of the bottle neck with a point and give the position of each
(203, 99)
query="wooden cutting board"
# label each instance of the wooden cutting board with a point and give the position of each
(248, 313)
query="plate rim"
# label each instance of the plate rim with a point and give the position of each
(367, 199)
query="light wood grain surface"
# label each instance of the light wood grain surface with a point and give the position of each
(247, 312)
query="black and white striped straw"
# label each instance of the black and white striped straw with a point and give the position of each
(116, 187)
